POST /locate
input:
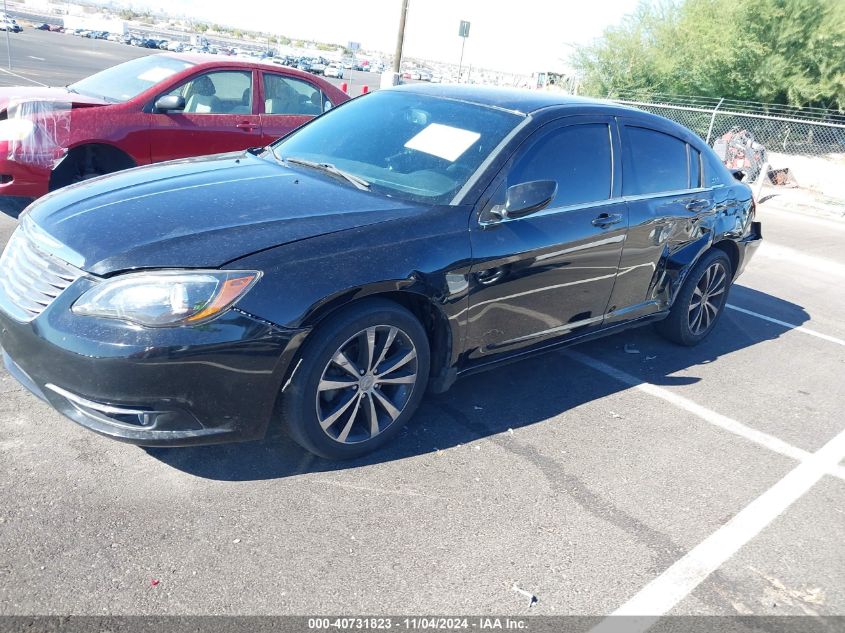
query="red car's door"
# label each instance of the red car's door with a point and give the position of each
(287, 103)
(220, 115)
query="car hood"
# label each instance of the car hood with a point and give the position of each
(35, 93)
(198, 213)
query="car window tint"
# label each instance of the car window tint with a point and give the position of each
(223, 92)
(412, 146)
(578, 158)
(286, 95)
(655, 162)
(694, 167)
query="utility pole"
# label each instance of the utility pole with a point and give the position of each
(400, 40)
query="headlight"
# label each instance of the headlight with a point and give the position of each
(166, 299)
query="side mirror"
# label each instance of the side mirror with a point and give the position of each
(168, 103)
(528, 197)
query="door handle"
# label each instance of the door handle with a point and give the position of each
(490, 276)
(697, 205)
(246, 125)
(607, 219)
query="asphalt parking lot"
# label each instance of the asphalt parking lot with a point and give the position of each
(622, 476)
(57, 59)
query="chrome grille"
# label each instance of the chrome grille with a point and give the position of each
(31, 279)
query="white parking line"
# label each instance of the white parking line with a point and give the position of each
(9, 72)
(664, 592)
(791, 326)
(834, 225)
(716, 419)
(821, 265)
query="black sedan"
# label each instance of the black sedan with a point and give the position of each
(400, 241)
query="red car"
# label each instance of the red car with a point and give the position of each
(147, 110)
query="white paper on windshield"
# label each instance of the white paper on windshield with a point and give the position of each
(443, 141)
(154, 75)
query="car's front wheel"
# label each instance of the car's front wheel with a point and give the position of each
(361, 377)
(700, 302)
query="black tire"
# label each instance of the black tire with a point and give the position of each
(86, 162)
(307, 404)
(691, 319)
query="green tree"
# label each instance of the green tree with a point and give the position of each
(779, 51)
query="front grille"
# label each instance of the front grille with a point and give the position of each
(31, 279)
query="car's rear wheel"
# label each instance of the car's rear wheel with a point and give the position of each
(700, 302)
(361, 378)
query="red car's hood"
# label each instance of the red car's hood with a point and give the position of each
(37, 93)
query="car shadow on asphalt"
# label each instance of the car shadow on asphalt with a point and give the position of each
(509, 397)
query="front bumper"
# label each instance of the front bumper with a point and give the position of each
(154, 387)
(21, 179)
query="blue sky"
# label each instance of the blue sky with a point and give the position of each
(521, 35)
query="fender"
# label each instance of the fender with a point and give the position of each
(678, 264)
(421, 261)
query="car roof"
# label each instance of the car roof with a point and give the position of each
(201, 59)
(514, 99)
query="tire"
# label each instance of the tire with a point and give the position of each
(328, 390)
(86, 162)
(690, 319)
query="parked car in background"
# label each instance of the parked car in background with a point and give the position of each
(10, 25)
(42, 26)
(334, 70)
(413, 235)
(317, 66)
(150, 109)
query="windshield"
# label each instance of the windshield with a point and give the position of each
(125, 81)
(410, 146)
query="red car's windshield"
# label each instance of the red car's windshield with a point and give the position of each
(125, 81)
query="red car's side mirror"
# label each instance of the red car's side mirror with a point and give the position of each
(168, 103)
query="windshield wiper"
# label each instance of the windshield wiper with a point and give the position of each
(330, 169)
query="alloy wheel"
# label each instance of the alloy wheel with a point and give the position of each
(367, 383)
(707, 298)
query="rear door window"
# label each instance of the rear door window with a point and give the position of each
(286, 95)
(654, 162)
(577, 157)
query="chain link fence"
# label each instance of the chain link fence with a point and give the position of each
(774, 145)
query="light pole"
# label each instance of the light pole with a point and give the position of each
(463, 32)
(8, 41)
(400, 40)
